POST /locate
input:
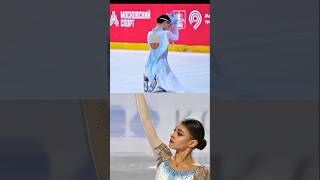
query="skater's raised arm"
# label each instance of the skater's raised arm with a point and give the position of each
(145, 118)
(174, 35)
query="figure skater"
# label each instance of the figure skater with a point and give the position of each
(187, 136)
(158, 76)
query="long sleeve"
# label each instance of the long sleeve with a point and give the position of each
(175, 34)
(202, 173)
(162, 153)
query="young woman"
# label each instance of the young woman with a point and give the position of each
(187, 136)
(158, 76)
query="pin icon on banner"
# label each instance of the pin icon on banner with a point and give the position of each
(114, 19)
(195, 17)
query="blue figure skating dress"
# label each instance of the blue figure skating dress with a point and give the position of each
(166, 172)
(158, 75)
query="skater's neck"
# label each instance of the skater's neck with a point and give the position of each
(183, 156)
(158, 27)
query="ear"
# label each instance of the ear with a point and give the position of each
(193, 143)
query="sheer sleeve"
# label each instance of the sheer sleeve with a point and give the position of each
(175, 34)
(162, 153)
(202, 173)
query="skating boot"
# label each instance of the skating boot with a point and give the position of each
(145, 83)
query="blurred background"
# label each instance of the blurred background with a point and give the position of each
(53, 139)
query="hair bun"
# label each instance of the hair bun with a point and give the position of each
(202, 144)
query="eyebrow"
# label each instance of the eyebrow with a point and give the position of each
(180, 130)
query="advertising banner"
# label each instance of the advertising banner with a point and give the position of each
(132, 22)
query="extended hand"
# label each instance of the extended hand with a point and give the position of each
(174, 18)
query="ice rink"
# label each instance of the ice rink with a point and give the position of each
(127, 68)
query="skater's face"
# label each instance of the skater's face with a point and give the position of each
(165, 25)
(180, 139)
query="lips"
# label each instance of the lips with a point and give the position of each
(171, 141)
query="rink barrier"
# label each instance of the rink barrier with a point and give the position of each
(172, 47)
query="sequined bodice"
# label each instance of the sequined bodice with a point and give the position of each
(166, 172)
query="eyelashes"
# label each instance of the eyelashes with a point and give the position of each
(179, 133)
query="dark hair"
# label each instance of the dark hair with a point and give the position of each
(196, 130)
(163, 18)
